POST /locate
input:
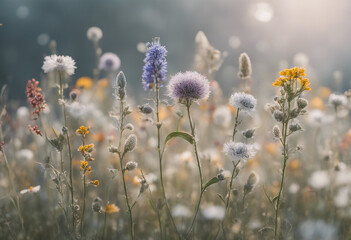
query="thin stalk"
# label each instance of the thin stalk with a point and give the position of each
(192, 127)
(104, 228)
(83, 210)
(236, 123)
(285, 158)
(160, 155)
(69, 148)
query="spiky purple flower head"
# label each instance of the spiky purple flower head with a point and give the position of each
(155, 68)
(188, 86)
(243, 101)
(109, 62)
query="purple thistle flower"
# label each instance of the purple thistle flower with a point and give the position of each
(155, 68)
(109, 62)
(188, 86)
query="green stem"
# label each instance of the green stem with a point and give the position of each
(192, 127)
(83, 210)
(285, 158)
(104, 228)
(236, 123)
(158, 125)
(69, 147)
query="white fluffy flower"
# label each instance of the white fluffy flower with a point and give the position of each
(243, 101)
(337, 99)
(319, 179)
(59, 63)
(94, 34)
(181, 211)
(109, 62)
(238, 151)
(222, 116)
(213, 212)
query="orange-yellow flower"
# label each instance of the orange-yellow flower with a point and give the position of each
(84, 82)
(111, 208)
(83, 130)
(95, 182)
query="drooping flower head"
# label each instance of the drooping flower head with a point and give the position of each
(60, 64)
(243, 101)
(34, 97)
(109, 62)
(289, 77)
(94, 34)
(188, 86)
(155, 68)
(238, 151)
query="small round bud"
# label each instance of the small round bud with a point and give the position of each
(220, 176)
(294, 127)
(130, 143)
(73, 95)
(294, 113)
(249, 133)
(64, 130)
(130, 166)
(129, 126)
(96, 205)
(121, 81)
(250, 183)
(276, 131)
(146, 109)
(278, 115)
(301, 103)
(113, 149)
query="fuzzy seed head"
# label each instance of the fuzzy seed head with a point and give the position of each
(245, 69)
(130, 166)
(130, 143)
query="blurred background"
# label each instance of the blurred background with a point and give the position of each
(276, 34)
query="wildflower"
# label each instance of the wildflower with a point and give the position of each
(35, 129)
(96, 206)
(251, 183)
(83, 164)
(222, 116)
(95, 182)
(2, 146)
(86, 148)
(189, 86)
(130, 166)
(111, 208)
(59, 63)
(144, 186)
(34, 96)
(245, 69)
(129, 126)
(238, 151)
(213, 212)
(289, 77)
(249, 133)
(84, 82)
(30, 190)
(243, 101)
(113, 149)
(294, 127)
(337, 100)
(94, 34)
(130, 143)
(146, 109)
(73, 95)
(109, 62)
(155, 68)
(82, 130)
(278, 115)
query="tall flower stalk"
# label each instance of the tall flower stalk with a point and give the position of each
(288, 106)
(154, 74)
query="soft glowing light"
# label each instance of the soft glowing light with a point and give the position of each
(263, 12)
(234, 42)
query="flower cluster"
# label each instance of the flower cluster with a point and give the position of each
(155, 68)
(82, 130)
(34, 96)
(35, 129)
(85, 150)
(289, 77)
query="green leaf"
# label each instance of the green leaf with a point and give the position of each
(220, 196)
(269, 199)
(184, 135)
(212, 181)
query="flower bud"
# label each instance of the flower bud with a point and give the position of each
(121, 80)
(294, 127)
(276, 131)
(113, 149)
(245, 68)
(301, 103)
(278, 115)
(146, 109)
(250, 183)
(129, 126)
(249, 133)
(96, 206)
(130, 143)
(294, 113)
(130, 166)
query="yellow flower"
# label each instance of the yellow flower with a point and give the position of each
(83, 164)
(83, 130)
(111, 208)
(95, 182)
(291, 75)
(84, 82)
